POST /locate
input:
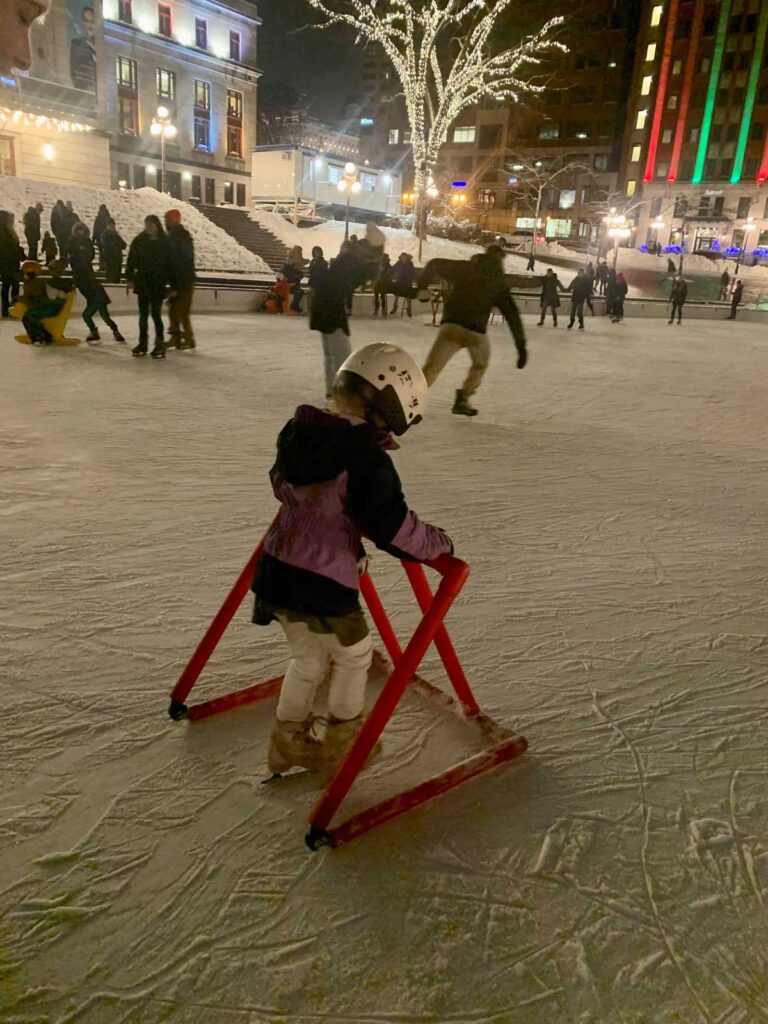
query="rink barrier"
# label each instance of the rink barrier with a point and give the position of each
(502, 745)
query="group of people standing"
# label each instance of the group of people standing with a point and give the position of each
(160, 267)
(582, 288)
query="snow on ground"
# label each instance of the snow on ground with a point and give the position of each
(636, 260)
(215, 250)
(330, 235)
(611, 502)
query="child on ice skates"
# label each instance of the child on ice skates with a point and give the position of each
(336, 483)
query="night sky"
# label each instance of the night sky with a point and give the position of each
(325, 65)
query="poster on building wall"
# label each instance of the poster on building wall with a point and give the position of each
(81, 29)
(65, 52)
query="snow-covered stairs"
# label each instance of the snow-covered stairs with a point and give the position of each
(248, 233)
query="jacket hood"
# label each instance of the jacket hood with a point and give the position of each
(315, 445)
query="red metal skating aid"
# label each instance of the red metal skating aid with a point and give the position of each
(504, 745)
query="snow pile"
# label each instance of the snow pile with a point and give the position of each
(330, 235)
(216, 251)
(636, 260)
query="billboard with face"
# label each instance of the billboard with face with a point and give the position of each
(60, 72)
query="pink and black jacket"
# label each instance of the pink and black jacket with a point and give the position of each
(335, 484)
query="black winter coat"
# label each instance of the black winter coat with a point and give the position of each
(182, 255)
(102, 217)
(112, 246)
(11, 253)
(549, 291)
(32, 225)
(150, 266)
(81, 253)
(332, 286)
(679, 292)
(476, 287)
(581, 288)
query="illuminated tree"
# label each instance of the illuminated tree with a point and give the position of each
(444, 54)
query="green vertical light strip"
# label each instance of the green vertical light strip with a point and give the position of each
(714, 81)
(749, 102)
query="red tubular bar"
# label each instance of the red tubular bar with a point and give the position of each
(251, 694)
(402, 802)
(661, 92)
(213, 634)
(445, 648)
(380, 618)
(404, 670)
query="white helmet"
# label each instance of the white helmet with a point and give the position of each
(396, 378)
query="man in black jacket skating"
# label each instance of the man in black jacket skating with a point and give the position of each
(182, 248)
(476, 287)
(581, 290)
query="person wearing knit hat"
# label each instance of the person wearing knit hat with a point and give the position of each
(180, 299)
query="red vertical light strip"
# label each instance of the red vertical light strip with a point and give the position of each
(685, 97)
(762, 174)
(661, 93)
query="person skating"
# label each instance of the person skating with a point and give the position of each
(677, 298)
(112, 248)
(328, 314)
(336, 483)
(580, 289)
(150, 270)
(531, 265)
(550, 298)
(81, 254)
(603, 276)
(476, 287)
(738, 291)
(182, 250)
(403, 276)
(382, 286)
(317, 266)
(610, 293)
(32, 229)
(620, 289)
(725, 280)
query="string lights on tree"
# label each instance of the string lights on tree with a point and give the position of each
(443, 55)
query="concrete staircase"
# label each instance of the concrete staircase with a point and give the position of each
(248, 233)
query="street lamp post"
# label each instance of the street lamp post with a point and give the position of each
(657, 226)
(617, 230)
(749, 225)
(349, 186)
(163, 129)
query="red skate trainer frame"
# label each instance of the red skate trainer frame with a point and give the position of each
(504, 745)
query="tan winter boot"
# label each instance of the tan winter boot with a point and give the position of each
(339, 737)
(293, 745)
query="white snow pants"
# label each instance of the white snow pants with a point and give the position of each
(310, 654)
(336, 348)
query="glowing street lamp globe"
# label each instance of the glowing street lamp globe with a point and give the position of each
(163, 112)
(156, 128)
(349, 168)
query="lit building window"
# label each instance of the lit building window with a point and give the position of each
(631, 186)
(201, 33)
(166, 84)
(202, 116)
(650, 53)
(464, 134)
(677, 67)
(368, 181)
(672, 102)
(636, 150)
(164, 24)
(642, 117)
(645, 88)
(407, 136)
(126, 73)
(234, 46)
(394, 136)
(335, 174)
(125, 11)
(656, 15)
(666, 135)
(234, 123)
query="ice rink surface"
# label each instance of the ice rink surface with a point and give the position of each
(611, 501)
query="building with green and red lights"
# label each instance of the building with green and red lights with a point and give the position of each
(695, 154)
